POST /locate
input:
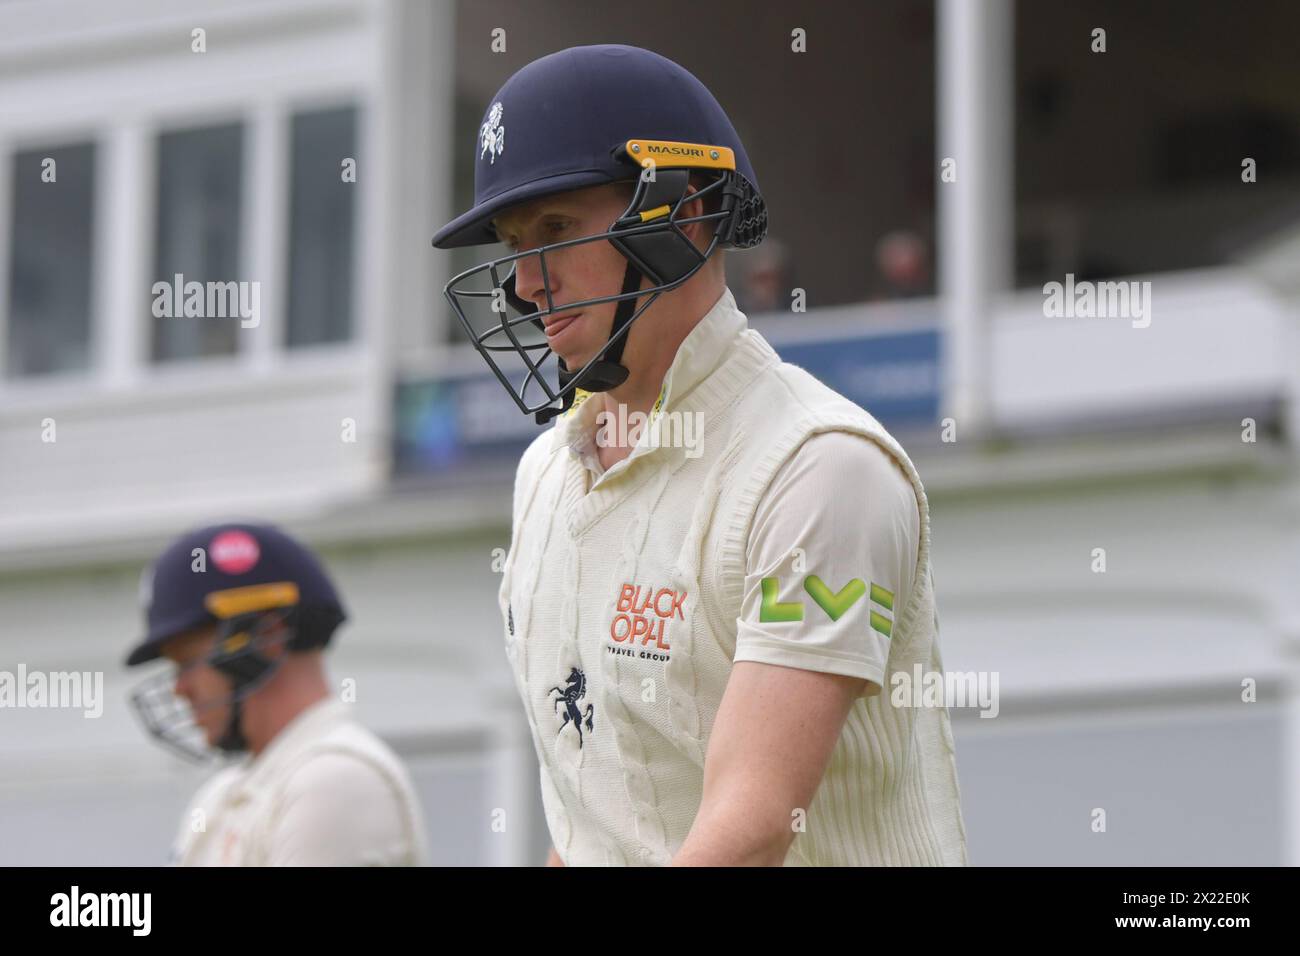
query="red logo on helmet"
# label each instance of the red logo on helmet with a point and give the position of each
(234, 551)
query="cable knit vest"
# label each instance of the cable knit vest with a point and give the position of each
(621, 724)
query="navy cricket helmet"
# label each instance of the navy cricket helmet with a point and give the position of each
(215, 573)
(588, 116)
(258, 586)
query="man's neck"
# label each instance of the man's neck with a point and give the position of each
(281, 711)
(652, 347)
(615, 441)
(639, 393)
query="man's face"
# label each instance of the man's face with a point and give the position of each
(590, 270)
(205, 689)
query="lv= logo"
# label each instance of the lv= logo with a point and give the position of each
(835, 603)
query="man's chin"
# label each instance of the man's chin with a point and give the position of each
(574, 361)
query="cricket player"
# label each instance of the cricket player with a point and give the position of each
(243, 612)
(702, 610)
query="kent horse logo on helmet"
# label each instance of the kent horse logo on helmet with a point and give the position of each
(492, 135)
(589, 116)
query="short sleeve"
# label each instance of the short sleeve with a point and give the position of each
(340, 810)
(830, 560)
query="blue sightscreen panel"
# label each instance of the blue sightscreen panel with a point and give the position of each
(894, 377)
(443, 425)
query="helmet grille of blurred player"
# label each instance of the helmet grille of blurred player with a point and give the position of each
(584, 117)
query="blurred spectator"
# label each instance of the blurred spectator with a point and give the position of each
(903, 264)
(762, 281)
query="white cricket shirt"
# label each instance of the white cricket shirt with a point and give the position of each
(324, 792)
(796, 532)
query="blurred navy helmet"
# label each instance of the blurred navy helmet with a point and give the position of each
(260, 588)
(222, 571)
(583, 117)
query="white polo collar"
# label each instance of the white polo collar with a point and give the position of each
(701, 353)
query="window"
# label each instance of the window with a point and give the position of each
(50, 261)
(198, 229)
(321, 229)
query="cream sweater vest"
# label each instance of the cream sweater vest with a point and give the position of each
(621, 737)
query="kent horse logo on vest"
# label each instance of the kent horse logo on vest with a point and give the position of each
(640, 625)
(568, 703)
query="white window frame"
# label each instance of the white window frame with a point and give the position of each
(125, 131)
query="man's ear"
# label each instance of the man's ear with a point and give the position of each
(273, 638)
(691, 209)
